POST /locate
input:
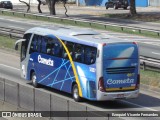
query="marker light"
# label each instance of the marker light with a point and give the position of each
(101, 84)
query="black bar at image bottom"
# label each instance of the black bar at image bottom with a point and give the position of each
(23, 114)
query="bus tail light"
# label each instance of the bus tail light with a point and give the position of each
(138, 81)
(104, 44)
(135, 43)
(101, 85)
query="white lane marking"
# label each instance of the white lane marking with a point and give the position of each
(9, 67)
(16, 27)
(148, 43)
(155, 53)
(139, 105)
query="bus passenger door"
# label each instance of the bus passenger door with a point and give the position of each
(24, 56)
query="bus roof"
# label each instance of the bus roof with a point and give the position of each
(82, 34)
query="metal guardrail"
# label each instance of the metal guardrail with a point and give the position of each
(50, 105)
(77, 21)
(149, 63)
(13, 33)
(145, 62)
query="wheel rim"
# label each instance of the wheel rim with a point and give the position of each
(34, 79)
(75, 92)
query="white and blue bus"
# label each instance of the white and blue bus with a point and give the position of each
(82, 62)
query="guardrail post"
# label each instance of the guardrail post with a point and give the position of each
(122, 28)
(50, 114)
(105, 26)
(68, 109)
(10, 34)
(75, 22)
(3, 95)
(18, 98)
(86, 113)
(34, 99)
(144, 66)
(4, 89)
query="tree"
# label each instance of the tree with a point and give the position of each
(27, 4)
(52, 3)
(39, 6)
(132, 8)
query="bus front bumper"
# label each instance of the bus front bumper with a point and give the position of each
(102, 96)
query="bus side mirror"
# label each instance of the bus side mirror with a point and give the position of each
(18, 41)
(16, 47)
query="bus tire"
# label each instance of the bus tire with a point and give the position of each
(33, 79)
(75, 93)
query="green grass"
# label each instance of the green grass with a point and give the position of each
(7, 42)
(150, 78)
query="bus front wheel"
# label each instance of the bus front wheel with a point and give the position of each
(75, 93)
(34, 80)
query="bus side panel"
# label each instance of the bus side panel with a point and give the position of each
(52, 71)
(59, 75)
(87, 77)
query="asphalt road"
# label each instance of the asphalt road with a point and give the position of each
(149, 47)
(147, 101)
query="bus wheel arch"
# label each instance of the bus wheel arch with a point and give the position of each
(75, 92)
(31, 72)
(33, 78)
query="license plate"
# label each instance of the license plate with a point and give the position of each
(120, 96)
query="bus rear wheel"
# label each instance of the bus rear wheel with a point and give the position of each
(34, 80)
(75, 93)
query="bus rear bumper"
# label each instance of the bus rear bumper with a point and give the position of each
(102, 96)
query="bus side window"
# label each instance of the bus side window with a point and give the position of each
(39, 42)
(90, 55)
(70, 47)
(49, 46)
(93, 55)
(53, 47)
(56, 49)
(43, 44)
(33, 47)
(79, 53)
